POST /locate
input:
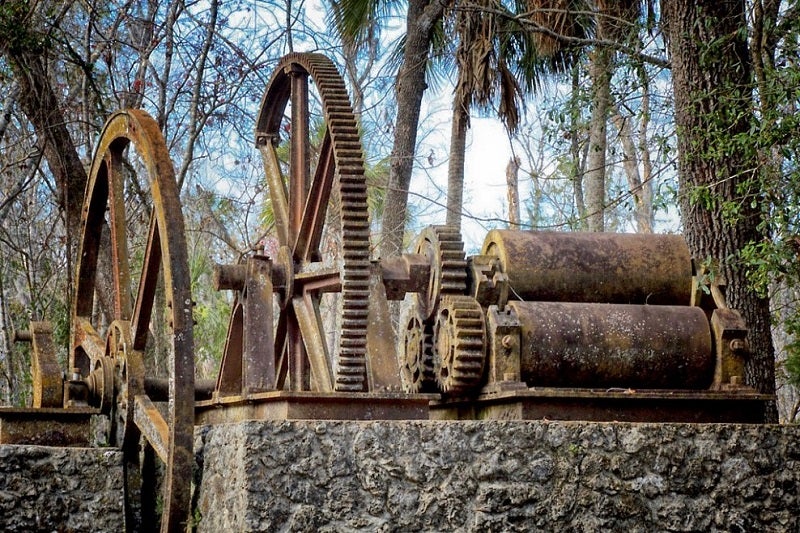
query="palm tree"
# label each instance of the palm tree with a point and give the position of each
(482, 66)
(352, 18)
(497, 58)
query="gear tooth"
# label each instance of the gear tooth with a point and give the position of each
(415, 353)
(351, 194)
(460, 326)
(443, 244)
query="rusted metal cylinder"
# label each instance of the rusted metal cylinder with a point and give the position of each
(614, 345)
(593, 267)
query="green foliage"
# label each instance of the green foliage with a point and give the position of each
(211, 313)
(17, 33)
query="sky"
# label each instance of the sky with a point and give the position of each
(488, 153)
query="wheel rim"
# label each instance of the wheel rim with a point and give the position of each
(301, 347)
(166, 252)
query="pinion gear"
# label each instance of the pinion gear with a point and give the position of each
(459, 336)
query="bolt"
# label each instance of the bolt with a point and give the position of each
(507, 342)
(738, 345)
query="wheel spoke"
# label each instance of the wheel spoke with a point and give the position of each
(152, 425)
(306, 247)
(279, 198)
(307, 312)
(299, 173)
(319, 280)
(148, 281)
(118, 228)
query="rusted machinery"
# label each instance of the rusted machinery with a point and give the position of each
(603, 327)
(581, 326)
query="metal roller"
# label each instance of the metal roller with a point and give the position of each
(593, 267)
(614, 345)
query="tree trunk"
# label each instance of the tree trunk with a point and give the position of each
(8, 104)
(642, 191)
(410, 86)
(512, 190)
(455, 168)
(577, 152)
(595, 177)
(39, 103)
(713, 105)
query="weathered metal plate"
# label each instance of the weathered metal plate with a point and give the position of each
(607, 406)
(46, 426)
(302, 405)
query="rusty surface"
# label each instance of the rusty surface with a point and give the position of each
(730, 348)
(614, 345)
(381, 345)
(302, 212)
(165, 253)
(604, 405)
(157, 389)
(153, 427)
(229, 377)
(415, 352)
(459, 344)
(46, 426)
(444, 250)
(593, 267)
(404, 274)
(46, 374)
(248, 363)
(304, 405)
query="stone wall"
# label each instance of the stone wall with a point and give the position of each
(61, 489)
(497, 476)
(437, 476)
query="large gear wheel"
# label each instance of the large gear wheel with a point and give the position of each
(314, 263)
(459, 336)
(105, 278)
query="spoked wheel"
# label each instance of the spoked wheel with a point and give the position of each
(323, 229)
(415, 354)
(106, 287)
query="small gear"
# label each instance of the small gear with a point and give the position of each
(445, 250)
(459, 338)
(415, 356)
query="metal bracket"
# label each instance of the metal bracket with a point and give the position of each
(503, 329)
(47, 376)
(248, 365)
(489, 285)
(730, 347)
